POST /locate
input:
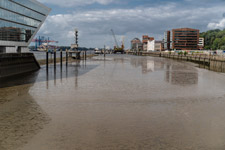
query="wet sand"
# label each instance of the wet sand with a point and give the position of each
(120, 103)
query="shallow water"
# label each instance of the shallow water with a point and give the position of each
(118, 103)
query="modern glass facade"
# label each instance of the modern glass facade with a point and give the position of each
(20, 20)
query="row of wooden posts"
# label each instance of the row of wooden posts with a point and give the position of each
(68, 54)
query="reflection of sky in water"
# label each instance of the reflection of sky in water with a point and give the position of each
(179, 74)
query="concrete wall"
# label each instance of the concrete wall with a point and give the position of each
(4, 49)
(17, 63)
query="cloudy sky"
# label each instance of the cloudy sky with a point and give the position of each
(130, 18)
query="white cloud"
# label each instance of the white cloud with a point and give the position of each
(94, 26)
(71, 3)
(219, 25)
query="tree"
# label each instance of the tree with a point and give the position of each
(214, 39)
(216, 45)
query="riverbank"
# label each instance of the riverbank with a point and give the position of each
(211, 62)
(17, 63)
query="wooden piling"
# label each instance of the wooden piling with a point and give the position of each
(66, 57)
(55, 58)
(61, 57)
(47, 59)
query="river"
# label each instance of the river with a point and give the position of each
(42, 55)
(120, 102)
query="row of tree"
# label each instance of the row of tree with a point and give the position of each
(214, 39)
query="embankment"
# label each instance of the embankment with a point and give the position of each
(17, 63)
(212, 62)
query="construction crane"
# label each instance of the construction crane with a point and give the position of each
(118, 49)
(42, 40)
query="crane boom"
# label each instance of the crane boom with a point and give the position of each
(115, 38)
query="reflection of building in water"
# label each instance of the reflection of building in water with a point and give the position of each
(181, 75)
(119, 60)
(148, 65)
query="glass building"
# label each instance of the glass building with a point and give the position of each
(20, 20)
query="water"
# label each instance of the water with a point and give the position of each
(42, 55)
(118, 103)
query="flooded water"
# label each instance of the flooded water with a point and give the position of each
(42, 55)
(118, 103)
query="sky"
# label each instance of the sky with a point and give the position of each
(94, 19)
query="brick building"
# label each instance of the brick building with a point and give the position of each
(185, 39)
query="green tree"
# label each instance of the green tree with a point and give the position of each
(216, 44)
(214, 39)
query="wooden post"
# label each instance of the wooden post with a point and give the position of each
(54, 57)
(104, 51)
(61, 57)
(47, 58)
(66, 57)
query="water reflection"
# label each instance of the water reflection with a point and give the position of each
(175, 73)
(52, 73)
(148, 64)
(179, 74)
(21, 117)
(26, 78)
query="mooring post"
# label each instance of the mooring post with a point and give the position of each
(47, 58)
(54, 57)
(104, 50)
(66, 57)
(61, 57)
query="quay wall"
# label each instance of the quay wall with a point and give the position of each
(17, 63)
(212, 62)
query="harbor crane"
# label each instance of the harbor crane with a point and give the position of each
(118, 49)
(42, 41)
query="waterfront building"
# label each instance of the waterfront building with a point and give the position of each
(201, 43)
(158, 46)
(167, 40)
(154, 45)
(20, 21)
(185, 39)
(151, 45)
(136, 45)
(145, 39)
